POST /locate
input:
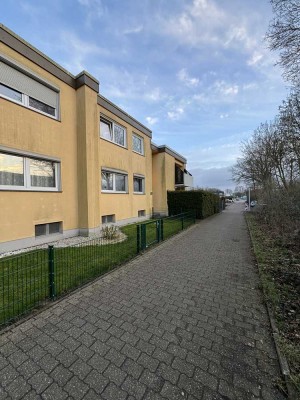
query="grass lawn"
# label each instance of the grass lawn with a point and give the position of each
(24, 278)
(24, 282)
(279, 269)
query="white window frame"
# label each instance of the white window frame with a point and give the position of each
(142, 144)
(25, 102)
(136, 176)
(26, 173)
(114, 173)
(112, 125)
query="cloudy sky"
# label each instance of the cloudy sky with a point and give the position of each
(196, 72)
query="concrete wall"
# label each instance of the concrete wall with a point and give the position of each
(111, 155)
(26, 130)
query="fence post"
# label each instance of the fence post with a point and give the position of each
(51, 274)
(182, 222)
(161, 229)
(138, 238)
(158, 231)
(143, 236)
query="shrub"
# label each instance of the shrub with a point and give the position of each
(110, 232)
(204, 203)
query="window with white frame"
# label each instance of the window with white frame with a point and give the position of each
(112, 181)
(19, 172)
(139, 184)
(21, 87)
(113, 132)
(137, 144)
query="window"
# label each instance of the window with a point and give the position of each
(137, 144)
(113, 132)
(141, 213)
(11, 93)
(139, 184)
(25, 173)
(114, 182)
(25, 88)
(48, 229)
(106, 219)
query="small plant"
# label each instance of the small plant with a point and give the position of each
(110, 232)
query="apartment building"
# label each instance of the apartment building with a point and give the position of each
(70, 160)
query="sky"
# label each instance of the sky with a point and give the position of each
(198, 73)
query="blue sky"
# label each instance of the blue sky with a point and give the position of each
(196, 72)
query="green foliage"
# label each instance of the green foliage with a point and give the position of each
(202, 202)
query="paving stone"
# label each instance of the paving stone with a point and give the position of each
(206, 379)
(18, 388)
(183, 366)
(40, 381)
(98, 362)
(7, 375)
(172, 392)
(115, 357)
(132, 368)
(168, 373)
(131, 351)
(80, 368)
(148, 362)
(54, 392)
(112, 392)
(152, 381)
(115, 374)
(61, 375)
(190, 386)
(76, 388)
(177, 351)
(96, 381)
(134, 387)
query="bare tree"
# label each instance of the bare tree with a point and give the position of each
(284, 35)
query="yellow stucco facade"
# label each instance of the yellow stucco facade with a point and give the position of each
(72, 142)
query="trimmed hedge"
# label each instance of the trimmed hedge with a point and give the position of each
(201, 201)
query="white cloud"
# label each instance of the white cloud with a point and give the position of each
(225, 89)
(154, 95)
(184, 77)
(222, 116)
(151, 120)
(175, 114)
(255, 58)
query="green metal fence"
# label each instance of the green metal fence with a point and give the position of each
(29, 280)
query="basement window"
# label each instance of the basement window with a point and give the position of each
(107, 219)
(48, 229)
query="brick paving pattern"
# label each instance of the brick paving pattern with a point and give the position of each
(184, 321)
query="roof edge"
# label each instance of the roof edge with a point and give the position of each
(108, 105)
(165, 149)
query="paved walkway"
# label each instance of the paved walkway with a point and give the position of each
(184, 321)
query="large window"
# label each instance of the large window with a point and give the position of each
(24, 88)
(114, 182)
(139, 184)
(19, 172)
(113, 132)
(137, 144)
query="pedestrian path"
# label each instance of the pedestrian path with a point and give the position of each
(184, 321)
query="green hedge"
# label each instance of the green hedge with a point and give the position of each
(201, 201)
